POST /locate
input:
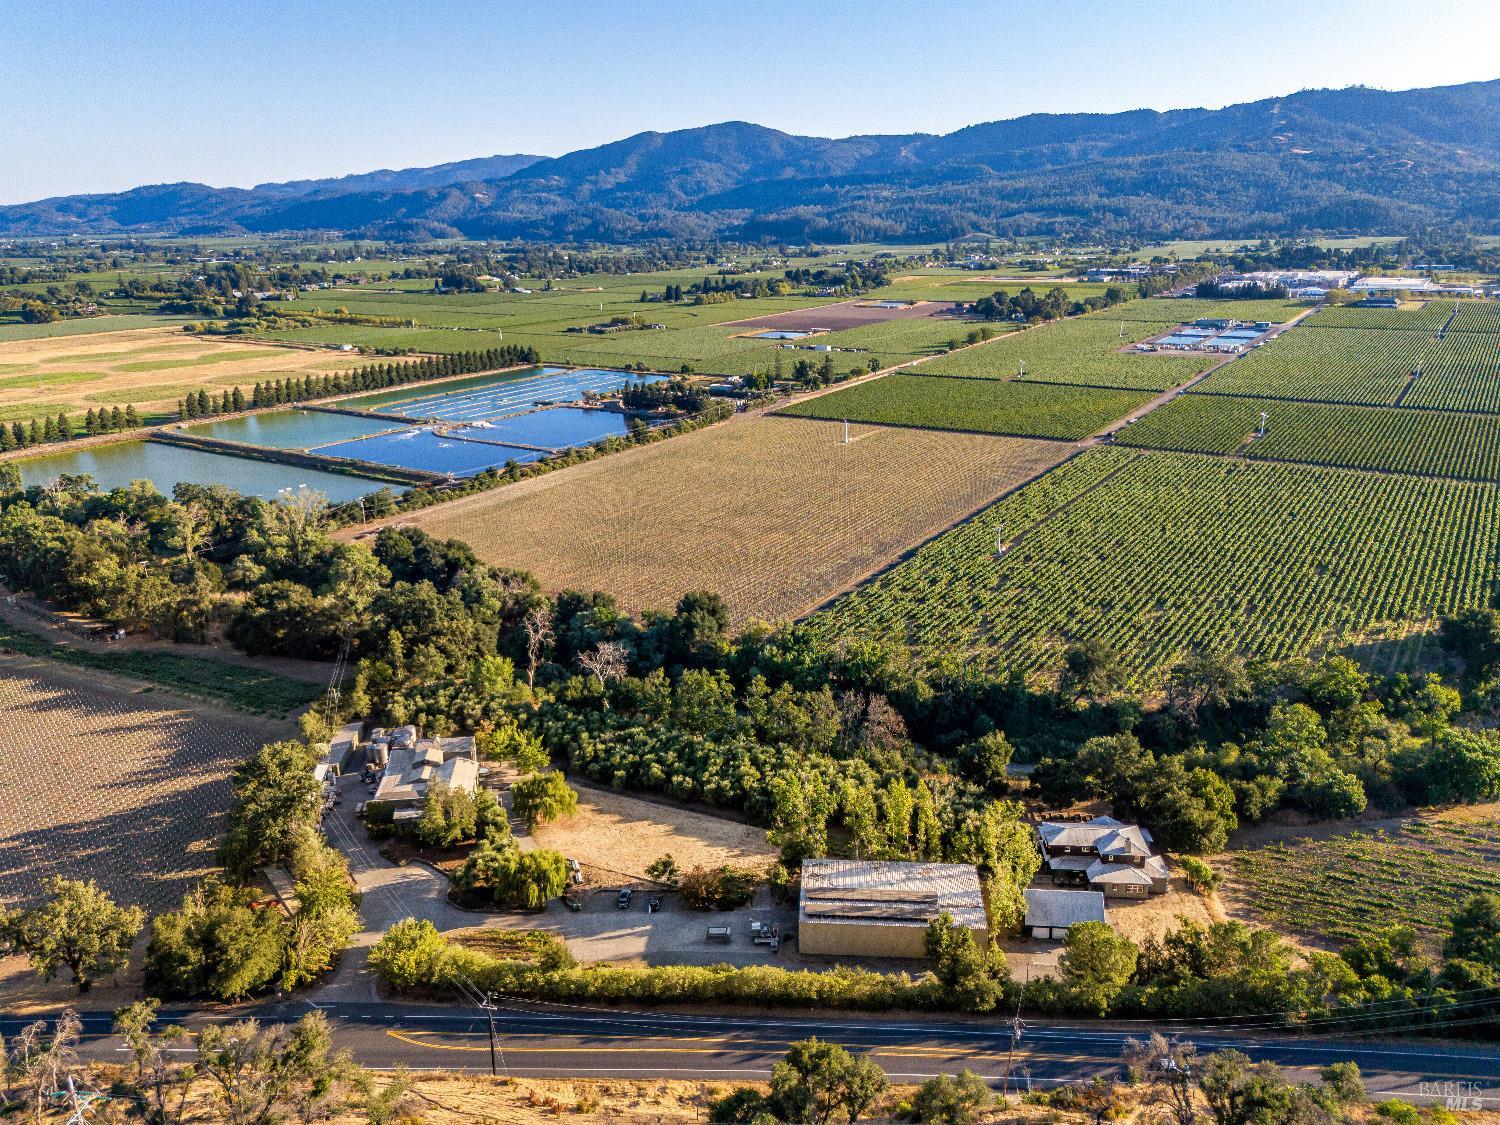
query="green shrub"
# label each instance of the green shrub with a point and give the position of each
(722, 888)
(1402, 1113)
(1200, 876)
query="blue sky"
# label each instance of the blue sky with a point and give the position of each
(105, 96)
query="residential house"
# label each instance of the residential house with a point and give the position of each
(1103, 854)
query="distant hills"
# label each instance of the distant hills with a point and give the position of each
(1353, 161)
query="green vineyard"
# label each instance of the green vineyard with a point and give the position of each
(1179, 310)
(1159, 553)
(1359, 367)
(1198, 424)
(1388, 439)
(1085, 351)
(1428, 317)
(1476, 316)
(1353, 886)
(985, 406)
(1325, 365)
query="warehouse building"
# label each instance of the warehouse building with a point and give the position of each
(855, 908)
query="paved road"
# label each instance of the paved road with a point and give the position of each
(540, 1041)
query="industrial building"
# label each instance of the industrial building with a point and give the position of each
(862, 908)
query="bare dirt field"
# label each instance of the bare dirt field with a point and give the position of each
(776, 514)
(1139, 919)
(112, 782)
(149, 368)
(844, 314)
(613, 836)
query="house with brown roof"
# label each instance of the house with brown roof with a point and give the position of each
(1103, 854)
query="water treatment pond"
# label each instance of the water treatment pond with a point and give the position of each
(114, 466)
(485, 397)
(290, 429)
(420, 448)
(559, 428)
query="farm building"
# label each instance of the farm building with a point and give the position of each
(858, 908)
(1049, 913)
(1104, 854)
(1393, 285)
(411, 770)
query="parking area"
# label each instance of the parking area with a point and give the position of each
(671, 935)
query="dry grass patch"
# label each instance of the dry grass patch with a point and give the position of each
(617, 835)
(776, 514)
(150, 367)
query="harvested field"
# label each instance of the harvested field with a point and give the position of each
(149, 368)
(614, 836)
(844, 314)
(108, 782)
(776, 514)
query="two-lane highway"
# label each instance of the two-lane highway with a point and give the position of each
(540, 1041)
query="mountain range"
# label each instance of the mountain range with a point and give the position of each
(1350, 161)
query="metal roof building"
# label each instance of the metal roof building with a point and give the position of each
(868, 908)
(1049, 913)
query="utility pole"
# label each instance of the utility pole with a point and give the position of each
(1017, 1029)
(489, 1011)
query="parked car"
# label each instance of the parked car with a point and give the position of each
(654, 904)
(623, 902)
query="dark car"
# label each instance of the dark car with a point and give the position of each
(653, 904)
(623, 902)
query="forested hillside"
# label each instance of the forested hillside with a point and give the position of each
(1331, 161)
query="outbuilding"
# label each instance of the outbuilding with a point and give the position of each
(866, 908)
(1050, 913)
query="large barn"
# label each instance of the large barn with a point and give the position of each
(858, 908)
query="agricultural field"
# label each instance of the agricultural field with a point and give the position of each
(1397, 440)
(1198, 424)
(987, 406)
(1420, 316)
(970, 285)
(13, 328)
(1085, 351)
(776, 514)
(148, 368)
(1361, 367)
(1181, 310)
(105, 782)
(841, 315)
(1345, 365)
(1412, 872)
(256, 691)
(1159, 553)
(1459, 372)
(1476, 316)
